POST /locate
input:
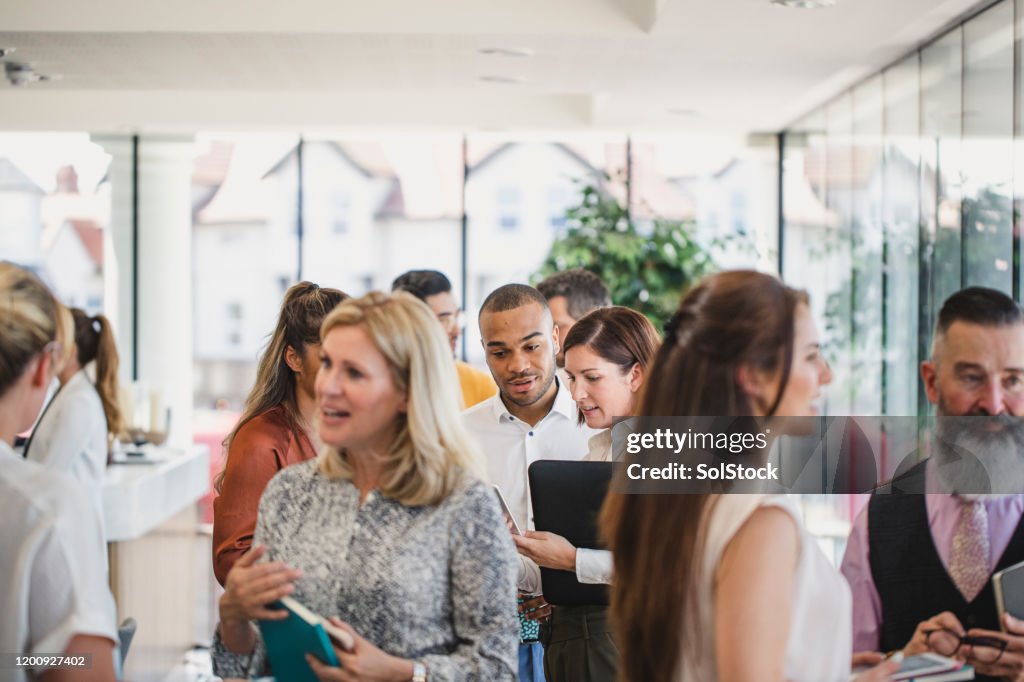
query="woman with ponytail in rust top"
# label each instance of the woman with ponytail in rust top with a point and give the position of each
(276, 428)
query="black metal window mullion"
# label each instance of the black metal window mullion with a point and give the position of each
(1015, 258)
(780, 173)
(964, 239)
(135, 257)
(300, 199)
(464, 236)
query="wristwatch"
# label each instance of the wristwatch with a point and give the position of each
(419, 672)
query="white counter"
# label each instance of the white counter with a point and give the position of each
(140, 496)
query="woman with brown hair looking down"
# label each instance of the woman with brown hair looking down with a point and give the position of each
(724, 586)
(277, 427)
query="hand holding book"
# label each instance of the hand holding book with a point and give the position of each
(252, 584)
(361, 661)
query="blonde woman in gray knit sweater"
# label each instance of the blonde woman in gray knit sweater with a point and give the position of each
(390, 530)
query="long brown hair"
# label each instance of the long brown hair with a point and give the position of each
(729, 320)
(621, 336)
(303, 310)
(94, 341)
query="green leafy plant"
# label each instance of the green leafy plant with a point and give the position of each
(645, 270)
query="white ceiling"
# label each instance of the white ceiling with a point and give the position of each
(729, 66)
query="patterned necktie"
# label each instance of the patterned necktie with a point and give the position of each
(969, 556)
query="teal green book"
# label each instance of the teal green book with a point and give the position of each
(289, 640)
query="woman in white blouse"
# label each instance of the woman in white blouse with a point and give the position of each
(77, 427)
(718, 586)
(607, 354)
(53, 584)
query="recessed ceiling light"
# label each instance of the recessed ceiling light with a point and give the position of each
(502, 79)
(683, 111)
(506, 51)
(804, 4)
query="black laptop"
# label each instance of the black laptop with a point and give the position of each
(567, 498)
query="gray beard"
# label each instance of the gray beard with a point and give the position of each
(979, 457)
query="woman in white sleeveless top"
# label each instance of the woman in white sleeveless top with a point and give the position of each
(729, 587)
(818, 636)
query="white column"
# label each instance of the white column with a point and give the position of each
(146, 570)
(163, 249)
(164, 344)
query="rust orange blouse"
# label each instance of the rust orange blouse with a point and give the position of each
(260, 449)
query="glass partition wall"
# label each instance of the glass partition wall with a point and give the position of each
(897, 193)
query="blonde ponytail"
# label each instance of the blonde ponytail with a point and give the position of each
(29, 322)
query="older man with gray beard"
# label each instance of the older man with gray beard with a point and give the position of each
(920, 565)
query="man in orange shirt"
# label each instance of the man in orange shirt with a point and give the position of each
(434, 289)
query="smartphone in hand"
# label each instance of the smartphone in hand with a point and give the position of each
(509, 518)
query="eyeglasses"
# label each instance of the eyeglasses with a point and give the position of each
(946, 643)
(452, 321)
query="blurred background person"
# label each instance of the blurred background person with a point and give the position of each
(278, 425)
(83, 418)
(434, 289)
(607, 355)
(571, 295)
(719, 586)
(391, 529)
(54, 595)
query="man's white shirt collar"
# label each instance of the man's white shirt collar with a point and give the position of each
(563, 405)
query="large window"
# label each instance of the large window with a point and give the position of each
(245, 254)
(727, 186)
(941, 113)
(901, 215)
(897, 193)
(916, 200)
(987, 150)
(866, 242)
(353, 211)
(54, 212)
(401, 206)
(513, 187)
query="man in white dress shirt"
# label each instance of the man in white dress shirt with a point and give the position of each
(532, 417)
